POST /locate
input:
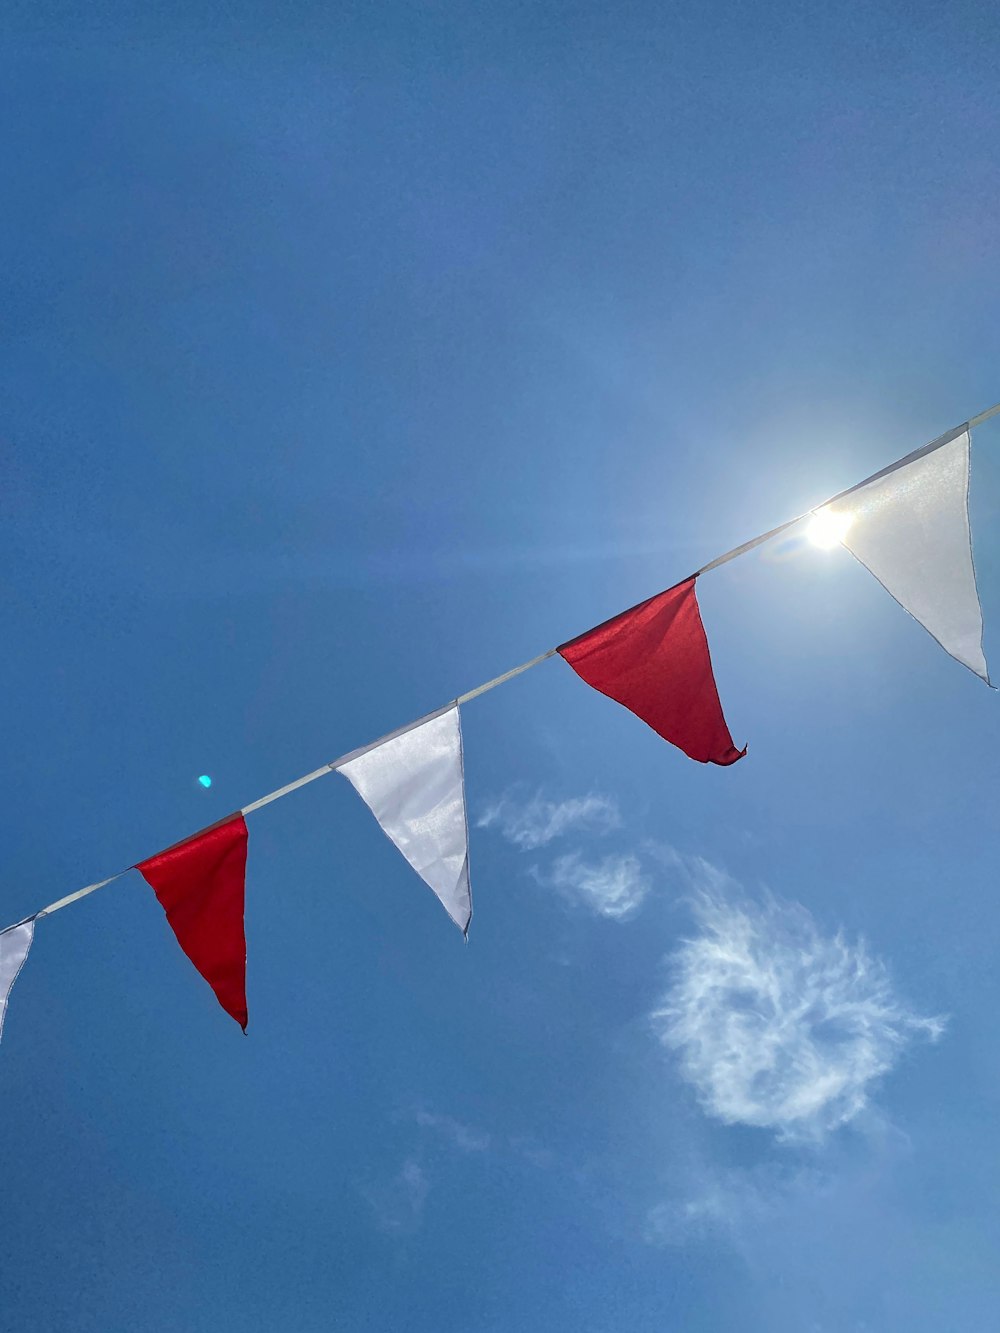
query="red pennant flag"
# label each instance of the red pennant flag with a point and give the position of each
(654, 659)
(200, 885)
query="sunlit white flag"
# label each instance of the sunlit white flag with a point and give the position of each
(910, 528)
(414, 785)
(14, 946)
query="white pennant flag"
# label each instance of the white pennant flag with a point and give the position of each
(414, 785)
(14, 946)
(910, 528)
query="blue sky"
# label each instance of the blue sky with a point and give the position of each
(353, 354)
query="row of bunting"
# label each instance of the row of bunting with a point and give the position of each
(908, 525)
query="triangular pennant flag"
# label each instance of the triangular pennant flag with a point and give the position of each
(14, 945)
(654, 660)
(910, 528)
(414, 785)
(200, 885)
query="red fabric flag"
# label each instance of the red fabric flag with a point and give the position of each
(654, 659)
(200, 885)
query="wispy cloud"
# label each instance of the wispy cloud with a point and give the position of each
(398, 1206)
(730, 1204)
(397, 1203)
(777, 1026)
(694, 873)
(717, 1211)
(463, 1137)
(535, 823)
(614, 886)
(528, 1147)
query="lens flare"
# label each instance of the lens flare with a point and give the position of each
(205, 780)
(828, 527)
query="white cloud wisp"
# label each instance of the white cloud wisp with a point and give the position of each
(398, 1205)
(535, 823)
(777, 1026)
(613, 887)
(466, 1138)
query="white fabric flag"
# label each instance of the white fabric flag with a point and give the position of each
(14, 946)
(414, 785)
(911, 530)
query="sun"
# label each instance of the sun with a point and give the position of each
(828, 527)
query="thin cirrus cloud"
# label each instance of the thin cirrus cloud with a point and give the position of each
(466, 1138)
(734, 1205)
(398, 1205)
(614, 886)
(777, 1026)
(469, 1139)
(715, 1212)
(537, 822)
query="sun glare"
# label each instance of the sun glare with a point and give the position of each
(828, 528)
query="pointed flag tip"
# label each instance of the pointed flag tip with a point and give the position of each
(726, 760)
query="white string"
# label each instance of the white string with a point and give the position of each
(984, 416)
(912, 457)
(507, 675)
(719, 560)
(80, 893)
(283, 791)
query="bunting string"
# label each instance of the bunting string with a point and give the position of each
(588, 655)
